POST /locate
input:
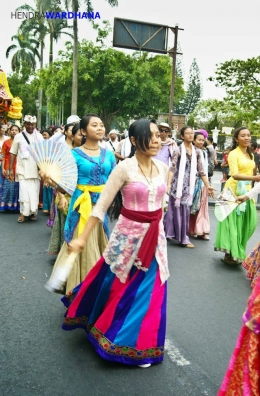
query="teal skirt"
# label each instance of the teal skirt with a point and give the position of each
(234, 232)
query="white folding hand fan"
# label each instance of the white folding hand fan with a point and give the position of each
(56, 160)
(61, 274)
(225, 204)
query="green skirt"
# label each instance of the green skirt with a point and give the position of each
(234, 232)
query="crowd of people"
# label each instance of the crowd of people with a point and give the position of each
(156, 189)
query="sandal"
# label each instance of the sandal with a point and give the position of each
(190, 246)
(229, 261)
(33, 217)
(205, 237)
(21, 219)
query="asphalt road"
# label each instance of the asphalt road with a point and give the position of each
(206, 300)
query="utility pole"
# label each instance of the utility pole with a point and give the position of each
(173, 53)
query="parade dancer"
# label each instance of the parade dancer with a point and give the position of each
(199, 218)
(10, 190)
(122, 302)
(3, 138)
(234, 232)
(186, 163)
(94, 166)
(62, 202)
(242, 376)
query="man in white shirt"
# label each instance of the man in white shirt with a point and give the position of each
(124, 148)
(113, 142)
(26, 169)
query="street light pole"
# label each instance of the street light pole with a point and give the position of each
(173, 53)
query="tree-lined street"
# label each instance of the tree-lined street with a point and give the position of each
(206, 300)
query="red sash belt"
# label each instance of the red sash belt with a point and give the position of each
(148, 246)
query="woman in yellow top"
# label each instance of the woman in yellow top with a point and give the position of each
(234, 232)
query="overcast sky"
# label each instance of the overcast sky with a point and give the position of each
(214, 30)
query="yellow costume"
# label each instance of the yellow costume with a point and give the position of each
(239, 163)
(234, 232)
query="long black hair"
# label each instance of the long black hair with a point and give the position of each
(53, 129)
(140, 131)
(84, 124)
(66, 128)
(75, 129)
(235, 144)
(47, 131)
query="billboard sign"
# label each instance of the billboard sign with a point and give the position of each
(141, 36)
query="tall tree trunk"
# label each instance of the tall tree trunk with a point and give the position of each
(106, 118)
(51, 49)
(39, 113)
(74, 96)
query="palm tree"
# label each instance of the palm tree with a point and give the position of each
(56, 29)
(26, 52)
(36, 26)
(74, 4)
(40, 28)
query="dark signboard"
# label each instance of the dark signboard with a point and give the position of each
(140, 35)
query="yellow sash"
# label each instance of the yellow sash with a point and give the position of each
(84, 203)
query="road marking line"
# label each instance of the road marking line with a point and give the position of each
(174, 354)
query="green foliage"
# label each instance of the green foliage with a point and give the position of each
(27, 90)
(241, 79)
(213, 113)
(102, 32)
(111, 83)
(39, 28)
(193, 93)
(25, 52)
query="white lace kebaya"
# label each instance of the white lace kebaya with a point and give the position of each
(139, 193)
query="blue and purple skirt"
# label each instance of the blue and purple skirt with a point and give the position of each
(9, 199)
(125, 322)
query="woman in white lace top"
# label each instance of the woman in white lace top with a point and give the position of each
(122, 301)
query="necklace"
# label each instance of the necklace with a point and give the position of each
(95, 149)
(150, 188)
